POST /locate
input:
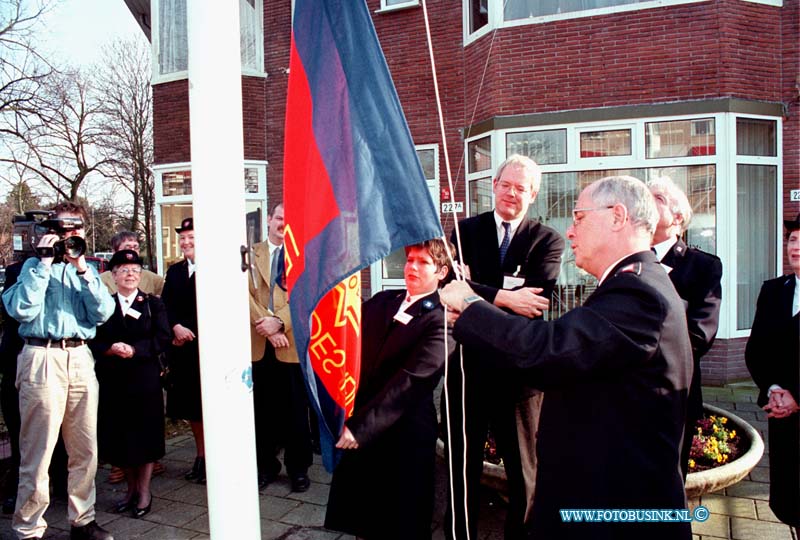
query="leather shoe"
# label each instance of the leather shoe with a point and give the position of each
(300, 483)
(90, 531)
(265, 479)
(198, 470)
(141, 512)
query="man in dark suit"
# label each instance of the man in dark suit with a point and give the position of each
(513, 262)
(697, 277)
(772, 355)
(615, 373)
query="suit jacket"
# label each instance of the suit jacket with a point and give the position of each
(536, 249)
(772, 355)
(259, 298)
(280, 304)
(151, 283)
(615, 374)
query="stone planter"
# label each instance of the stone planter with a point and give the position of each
(703, 482)
(699, 483)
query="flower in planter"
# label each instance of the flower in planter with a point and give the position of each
(713, 444)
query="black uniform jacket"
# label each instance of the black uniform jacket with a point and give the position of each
(773, 357)
(697, 277)
(615, 372)
(385, 488)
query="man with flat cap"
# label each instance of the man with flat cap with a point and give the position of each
(773, 358)
(615, 374)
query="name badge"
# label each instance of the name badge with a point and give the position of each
(133, 313)
(403, 317)
(512, 282)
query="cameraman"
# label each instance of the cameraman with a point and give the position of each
(59, 305)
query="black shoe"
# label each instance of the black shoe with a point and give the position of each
(300, 483)
(198, 469)
(10, 504)
(265, 479)
(90, 531)
(141, 512)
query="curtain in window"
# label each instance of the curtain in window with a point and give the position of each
(756, 137)
(756, 193)
(522, 9)
(173, 47)
(250, 33)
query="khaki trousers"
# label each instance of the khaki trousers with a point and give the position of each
(57, 389)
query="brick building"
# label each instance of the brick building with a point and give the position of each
(706, 92)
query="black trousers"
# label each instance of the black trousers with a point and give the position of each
(490, 404)
(282, 416)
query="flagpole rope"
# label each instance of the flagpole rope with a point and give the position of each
(459, 275)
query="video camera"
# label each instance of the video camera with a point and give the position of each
(31, 227)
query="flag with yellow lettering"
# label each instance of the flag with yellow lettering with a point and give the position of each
(354, 191)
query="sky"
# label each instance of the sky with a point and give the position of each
(76, 30)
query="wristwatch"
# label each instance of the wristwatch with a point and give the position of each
(471, 299)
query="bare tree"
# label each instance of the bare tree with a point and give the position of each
(59, 145)
(127, 144)
(22, 69)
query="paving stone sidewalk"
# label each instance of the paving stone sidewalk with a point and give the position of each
(180, 511)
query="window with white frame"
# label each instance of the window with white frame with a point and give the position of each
(170, 43)
(736, 220)
(482, 15)
(391, 5)
(174, 203)
(388, 273)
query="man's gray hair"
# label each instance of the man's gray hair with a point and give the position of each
(532, 170)
(631, 193)
(122, 236)
(678, 202)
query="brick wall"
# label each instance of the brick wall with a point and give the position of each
(171, 120)
(724, 363)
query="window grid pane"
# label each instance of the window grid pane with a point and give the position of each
(173, 48)
(171, 217)
(480, 155)
(427, 160)
(543, 147)
(478, 14)
(524, 9)
(756, 137)
(756, 193)
(680, 138)
(480, 196)
(606, 143)
(176, 183)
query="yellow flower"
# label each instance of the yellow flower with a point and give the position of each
(692, 464)
(724, 420)
(733, 434)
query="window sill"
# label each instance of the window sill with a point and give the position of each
(399, 7)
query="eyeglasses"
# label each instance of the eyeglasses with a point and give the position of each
(128, 271)
(577, 219)
(505, 187)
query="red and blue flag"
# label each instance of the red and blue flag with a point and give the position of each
(354, 191)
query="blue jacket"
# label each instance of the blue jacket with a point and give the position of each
(56, 303)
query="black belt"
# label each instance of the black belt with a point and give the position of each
(61, 343)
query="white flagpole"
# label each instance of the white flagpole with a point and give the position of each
(217, 151)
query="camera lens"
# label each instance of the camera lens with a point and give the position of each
(74, 246)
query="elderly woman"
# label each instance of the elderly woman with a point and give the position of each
(771, 355)
(383, 488)
(131, 409)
